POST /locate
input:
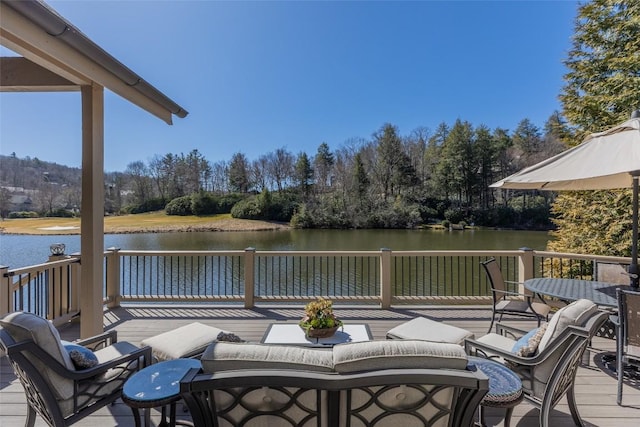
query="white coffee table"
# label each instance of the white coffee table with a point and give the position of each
(293, 334)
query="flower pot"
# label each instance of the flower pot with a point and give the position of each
(322, 332)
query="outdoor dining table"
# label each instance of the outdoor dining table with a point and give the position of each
(601, 293)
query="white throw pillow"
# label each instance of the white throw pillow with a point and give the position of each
(574, 314)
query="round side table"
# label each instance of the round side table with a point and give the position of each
(505, 387)
(157, 385)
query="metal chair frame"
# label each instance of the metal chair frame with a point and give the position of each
(40, 398)
(525, 308)
(628, 334)
(563, 354)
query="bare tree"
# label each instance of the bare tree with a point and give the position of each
(281, 167)
(220, 177)
(140, 181)
(260, 173)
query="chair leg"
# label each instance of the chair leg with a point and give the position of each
(31, 417)
(619, 363)
(493, 319)
(571, 400)
(481, 421)
(507, 416)
(544, 416)
(491, 325)
(620, 374)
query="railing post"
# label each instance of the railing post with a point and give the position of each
(76, 274)
(113, 277)
(525, 268)
(5, 291)
(57, 307)
(385, 278)
(249, 277)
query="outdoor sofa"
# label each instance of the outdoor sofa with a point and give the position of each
(384, 383)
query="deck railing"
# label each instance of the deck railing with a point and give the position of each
(383, 277)
(50, 290)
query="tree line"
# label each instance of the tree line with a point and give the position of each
(389, 180)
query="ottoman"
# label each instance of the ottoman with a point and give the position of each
(425, 329)
(185, 342)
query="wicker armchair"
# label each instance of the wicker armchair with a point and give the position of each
(549, 374)
(54, 388)
(503, 302)
(628, 334)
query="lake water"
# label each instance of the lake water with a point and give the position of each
(20, 251)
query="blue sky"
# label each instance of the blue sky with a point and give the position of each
(258, 76)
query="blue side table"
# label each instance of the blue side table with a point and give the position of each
(505, 387)
(157, 385)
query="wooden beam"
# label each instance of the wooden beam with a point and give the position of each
(92, 217)
(21, 75)
(26, 39)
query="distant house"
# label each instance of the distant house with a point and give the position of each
(20, 202)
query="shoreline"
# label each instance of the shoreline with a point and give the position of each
(65, 227)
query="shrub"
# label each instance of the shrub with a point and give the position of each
(454, 215)
(247, 209)
(151, 205)
(60, 213)
(203, 203)
(24, 214)
(179, 206)
(266, 206)
(227, 201)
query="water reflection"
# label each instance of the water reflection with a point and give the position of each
(19, 251)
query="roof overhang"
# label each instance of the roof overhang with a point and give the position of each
(54, 47)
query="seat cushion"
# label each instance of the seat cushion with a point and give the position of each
(109, 353)
(498, 341)
(574, 314)
(397, 354)
(185, 341)
(27, 326)
(425, 329)
(226, 356)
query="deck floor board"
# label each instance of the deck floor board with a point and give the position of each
(595, 389)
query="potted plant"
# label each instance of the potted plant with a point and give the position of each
(319, 320)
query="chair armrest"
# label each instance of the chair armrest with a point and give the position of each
(615, 319)
(506, 330)
(102, 340)
(141, 353)
(512, 293)
(480, 349)
(63, 371)
(506, 293)
(489, 352)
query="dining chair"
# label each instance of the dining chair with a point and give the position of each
(511, 302)
(628, 334)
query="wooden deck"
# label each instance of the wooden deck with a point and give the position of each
(596, 390)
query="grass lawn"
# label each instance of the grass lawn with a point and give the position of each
(152, 222)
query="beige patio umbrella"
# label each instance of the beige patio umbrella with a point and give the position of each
(603, 161)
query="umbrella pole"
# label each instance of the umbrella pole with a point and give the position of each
(633, 268)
